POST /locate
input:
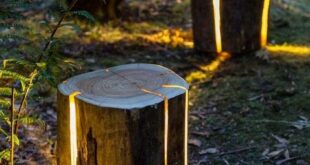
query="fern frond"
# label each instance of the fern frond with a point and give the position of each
(6, 91)
(84, 14)
(15, 139)
(3, 132)
(21, 62)
(30, 120)
(4, 117)
(13, 75)
(5, 154)
(4, 103)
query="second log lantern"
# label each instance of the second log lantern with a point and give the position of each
(233, 26)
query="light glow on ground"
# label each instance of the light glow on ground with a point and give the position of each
(206, 71)
(290, 49)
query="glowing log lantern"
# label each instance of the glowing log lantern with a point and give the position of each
(129, 114)
(234, 26)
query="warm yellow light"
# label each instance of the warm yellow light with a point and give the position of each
(217, 25)
(264, 28)
(166, 120)
(206, 71)
(214, 65)
(290, 49)
(166, 130)
(73, 134)
(185, 118)
(171, 37)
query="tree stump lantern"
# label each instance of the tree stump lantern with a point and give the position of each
(233, 26)
(134, 114)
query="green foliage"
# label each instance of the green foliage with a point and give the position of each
(2, 131)
(15, 139)
(30, 55)
(6, 74)
(30, 120)
(84, 14)
(5, 154)
(6, 91)
(4, 103)
(4, 118)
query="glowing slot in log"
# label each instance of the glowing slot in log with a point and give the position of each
(264, 28)
(185, 118)
(166, 130)
(217, 25)
(73, 134)
(166, 120)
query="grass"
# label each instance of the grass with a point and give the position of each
(254, 99)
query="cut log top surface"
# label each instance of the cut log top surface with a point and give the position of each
(121, 86)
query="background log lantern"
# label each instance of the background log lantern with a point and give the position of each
(129, 114)
(233, 26)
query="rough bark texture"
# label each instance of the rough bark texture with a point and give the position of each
(203, 26)
(119, 124)
(240, 25)
(121, 137)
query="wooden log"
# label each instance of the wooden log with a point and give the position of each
(131, 114)
(240, 25)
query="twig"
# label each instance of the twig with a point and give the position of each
(23, 102)
(55, 29)
(12, 126)
(235, 151)
(226, 162)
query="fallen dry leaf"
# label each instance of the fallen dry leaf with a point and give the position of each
(266, 151)
(280, 139)
(275, 153)
(286, 154)
(300, 124)
(209, 151)
(201, 133)
(195, 142)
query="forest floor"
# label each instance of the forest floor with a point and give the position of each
(248, 109)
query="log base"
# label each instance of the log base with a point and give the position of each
(126, 115)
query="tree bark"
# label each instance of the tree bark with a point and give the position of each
(118, 123)
(241, 22)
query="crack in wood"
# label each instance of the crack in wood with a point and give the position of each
(91, 148)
